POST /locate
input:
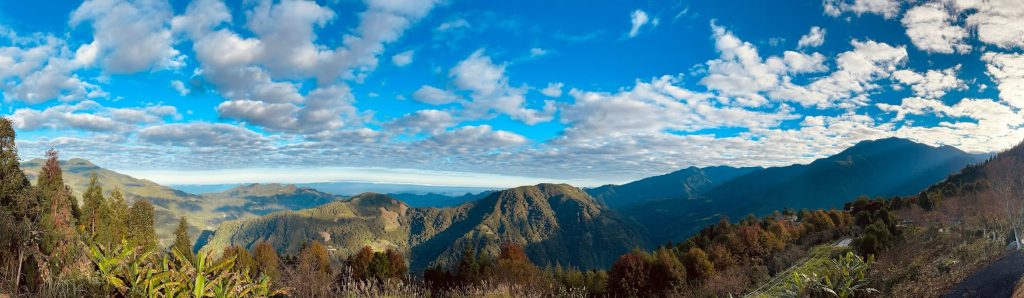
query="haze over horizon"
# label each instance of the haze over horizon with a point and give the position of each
(493, 94)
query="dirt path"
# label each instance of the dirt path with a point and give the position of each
(995, 280)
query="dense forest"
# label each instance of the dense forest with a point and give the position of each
(57, 245)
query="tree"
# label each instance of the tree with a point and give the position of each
(698, 267)
(360, 262)
(96, 213)
(140, 219)
(182, 241)
(398, 268)
(60, 241)
(469, 268)
(666, 272)
(243, 260)
(118, 216)
(926, 201)
(379, 269)
(267, 261)
(628, 275)
(19, 210)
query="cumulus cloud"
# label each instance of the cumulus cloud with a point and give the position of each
(402, 59)
(490, 91)
(999, 23)
(433, 95)
(41, 69)
(741, 73)
(90, 116)
(1007, 70)
(885, 8)
(423, 121)
(128, 36)
(180, 87)
(812, 39)
(930, 28)
(553, 89)
(259, 75)
(933, 83)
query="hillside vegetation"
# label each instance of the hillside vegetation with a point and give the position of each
(555, 224)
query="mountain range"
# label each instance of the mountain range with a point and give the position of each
(884, 167)
(555, 223)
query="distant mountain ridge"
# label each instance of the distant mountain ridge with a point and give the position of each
(436, 199)
(884, 167)
(683, 184)
(205, 212)
(555, 223)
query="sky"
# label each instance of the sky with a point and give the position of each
(500, 93)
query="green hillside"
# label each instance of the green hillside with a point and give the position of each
(555, 223)
(204, 212)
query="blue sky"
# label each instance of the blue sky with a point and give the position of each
(500, 93)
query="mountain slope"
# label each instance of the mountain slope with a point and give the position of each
(554, 223)
(885, 167)
(204, 212)
(682, 184)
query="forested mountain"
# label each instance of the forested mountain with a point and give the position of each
(885, 167)
(205, 212)
(555, 224)
(683, 184)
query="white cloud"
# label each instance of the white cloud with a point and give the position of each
(180, 87)
(201, 134)
(996, 22)
(432, 95)
(128, 37)
(812, 39)
(90, 116)
(454, 24)
(930, 28)
(931, 84)
(637, 20)
(885, 8)
(423, 121)
(553, 90)
(490, 91)
(537, 52)
(740, 72)
(1007, 70)
(402, 59)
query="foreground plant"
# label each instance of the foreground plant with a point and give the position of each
(843, 277)
(131, 274)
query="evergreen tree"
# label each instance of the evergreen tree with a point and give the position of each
(140, 220)
(267, 261)
(96, 213)
(182, 241)
(243, 260)
(57, 224)
(469, 268)
(379, 269)
(118, 216)
(19, 213)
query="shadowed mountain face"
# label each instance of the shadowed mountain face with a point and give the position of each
(683, 184)
(204, 212)
(555, 223)
(885, 167)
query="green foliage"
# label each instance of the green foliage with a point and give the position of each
(140, 219)
(96, 213)
(130, 272)
(182, 241)
(843, 277)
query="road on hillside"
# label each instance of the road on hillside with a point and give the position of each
(995, 280)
